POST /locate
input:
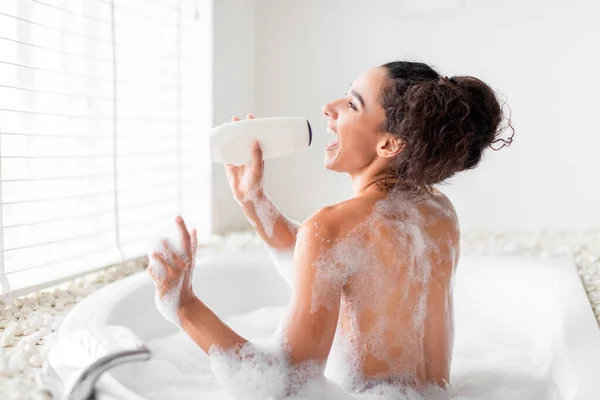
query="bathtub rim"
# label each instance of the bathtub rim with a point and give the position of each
(105, 299)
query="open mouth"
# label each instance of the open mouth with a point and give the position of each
(335, 144)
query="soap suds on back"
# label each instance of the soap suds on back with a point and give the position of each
(370, 256)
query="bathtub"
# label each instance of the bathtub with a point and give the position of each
(510, 305)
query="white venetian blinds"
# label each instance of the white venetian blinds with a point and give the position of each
(104, 114)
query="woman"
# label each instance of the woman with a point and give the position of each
(371, 277)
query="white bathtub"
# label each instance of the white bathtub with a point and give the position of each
(516, 304)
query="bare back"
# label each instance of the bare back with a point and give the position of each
(396, 318)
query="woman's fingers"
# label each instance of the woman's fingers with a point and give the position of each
(194, 240)
(151, 271)
(173, 257)
(233, 173)
(256, 165)
(178, 263)
(231, 169)
(185, 235)
(248, 116)
(233, 176)
(168, 268)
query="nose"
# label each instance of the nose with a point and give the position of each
(329, 109)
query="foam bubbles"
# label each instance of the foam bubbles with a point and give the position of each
(484, 368)
(157, 270)
(168, 303)
(284, 263)
(265, 209)
(268, 214)
(253, 371)
(263, 371)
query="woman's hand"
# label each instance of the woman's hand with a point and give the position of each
(246, 180)
(172, 268)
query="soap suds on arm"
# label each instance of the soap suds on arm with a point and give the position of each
(276, 230)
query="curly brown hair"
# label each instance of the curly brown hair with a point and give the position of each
(445, 123)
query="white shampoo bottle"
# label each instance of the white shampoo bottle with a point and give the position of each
(231, 143)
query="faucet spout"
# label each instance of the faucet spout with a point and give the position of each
(83, 385)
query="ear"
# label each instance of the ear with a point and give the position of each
(390, 146)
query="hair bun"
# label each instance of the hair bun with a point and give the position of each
(446, 122)
(446, 79)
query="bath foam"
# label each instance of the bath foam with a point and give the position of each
(451, 213)
(168, 304)
(293, 226)
(333, 267)
(258, 371)
(284, 263)
(265, 209)
(330, 272)
(268, 214)
(254, 371)
(157, 270)
(179, 370)
(343, 363)
(410, 224)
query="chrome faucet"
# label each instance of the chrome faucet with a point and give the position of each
(83, 387)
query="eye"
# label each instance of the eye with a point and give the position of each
(352, 106)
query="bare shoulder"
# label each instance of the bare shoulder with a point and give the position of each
(443, 207)
(318, 241)
(442, 200)
(323, 225)
(446, 227)
(336, 220)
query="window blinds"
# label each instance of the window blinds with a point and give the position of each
(104, 113)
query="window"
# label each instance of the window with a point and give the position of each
(105, 110)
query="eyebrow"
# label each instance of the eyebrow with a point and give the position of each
(358, 96)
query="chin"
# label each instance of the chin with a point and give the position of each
(328, 164)
(330, 161)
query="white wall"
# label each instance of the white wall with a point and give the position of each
(542, 55)
(233, 93)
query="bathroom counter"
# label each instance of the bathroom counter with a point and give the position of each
(28, 323)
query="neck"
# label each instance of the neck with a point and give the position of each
(364, 183)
